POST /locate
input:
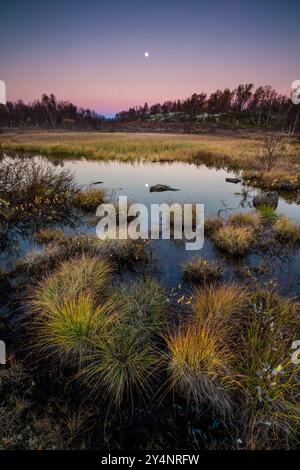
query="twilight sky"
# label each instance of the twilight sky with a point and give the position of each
(91, 52)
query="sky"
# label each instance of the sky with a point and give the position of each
(91, 52)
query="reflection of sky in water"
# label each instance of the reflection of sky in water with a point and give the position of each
(197, 184)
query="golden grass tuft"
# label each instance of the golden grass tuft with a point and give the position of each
(235, 241)
(74, 277)
(200, 365)
(245, 219)
(287, 231)
(224, 303)
(212, 224)
(67, 330)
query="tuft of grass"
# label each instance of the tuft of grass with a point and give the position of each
(245, 219)
(125, 253)
(88, 200)
(287, 231)
(120, 364)
(125, 358)
(268, 213)
(270, 383)
(212, 224)
(279, 313)
(224, 303)
(141, 305)
(199, 363)
(108, 335)
(73, 277)
(67, 329)
(200, 270)
(235, 241)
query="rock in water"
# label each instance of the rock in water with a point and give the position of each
(289, 185)
(158, 188)
(233, 180)
(266, 199)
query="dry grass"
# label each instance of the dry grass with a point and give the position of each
(67, 330)
(74, 277)
(225, 303)
(287, 231)
(245, 219)
(238, 152)
(283, 177)
(212, 224)
(90, 199)
(198, 270)
(234, 240)
(129, 146)
(200, 365)
(270, 382)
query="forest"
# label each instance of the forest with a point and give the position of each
(245, 106)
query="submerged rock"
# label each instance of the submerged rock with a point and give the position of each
(158, 188)
(266, 199)
(233, 180)
(289, 185)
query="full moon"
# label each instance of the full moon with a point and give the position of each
(146, 54)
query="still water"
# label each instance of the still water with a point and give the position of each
(196, 184)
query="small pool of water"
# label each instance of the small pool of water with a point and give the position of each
(196, 184)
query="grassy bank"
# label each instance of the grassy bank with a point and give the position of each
(239, 152)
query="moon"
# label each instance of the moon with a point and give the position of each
(146, 54)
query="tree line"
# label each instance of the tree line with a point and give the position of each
(245, 105)
(260, 107)
(48, 112)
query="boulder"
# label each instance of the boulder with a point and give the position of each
(158, 188)
(233, 180)
(266, 199)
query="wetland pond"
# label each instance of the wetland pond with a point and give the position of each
(196, 184)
